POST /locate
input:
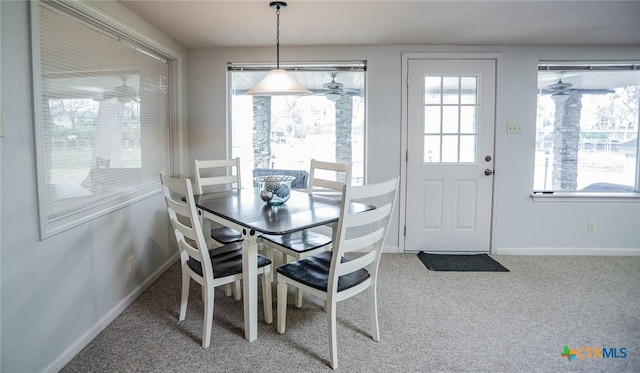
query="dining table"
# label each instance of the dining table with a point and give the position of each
(244, 211)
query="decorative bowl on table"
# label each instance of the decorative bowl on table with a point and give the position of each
(274, 189)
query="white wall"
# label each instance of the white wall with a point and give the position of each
(530, 227)
(57, 294)
(520, 225)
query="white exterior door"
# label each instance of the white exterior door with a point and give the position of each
(450, 134)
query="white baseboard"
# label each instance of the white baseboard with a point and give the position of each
(586, 251)
(391, 249)
(87, 337)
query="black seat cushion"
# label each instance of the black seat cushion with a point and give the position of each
(226, 235)
(226, 261)
(301, 241)
(314, 272)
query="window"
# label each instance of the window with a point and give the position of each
(102, 124)
(450, 129)
(286, 132)
(587, 127)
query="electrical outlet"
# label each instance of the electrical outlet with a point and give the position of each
(513, 127)
(132, 263)
(591, 226)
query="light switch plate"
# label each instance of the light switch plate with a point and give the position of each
(514, 127)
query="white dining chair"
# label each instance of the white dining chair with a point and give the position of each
(325, 178)
(218, 175)
(212, 175)
(330, 275)
(209, 268)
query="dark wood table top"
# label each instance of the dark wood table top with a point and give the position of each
(301, 211)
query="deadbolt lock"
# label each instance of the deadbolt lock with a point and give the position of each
(487, 158)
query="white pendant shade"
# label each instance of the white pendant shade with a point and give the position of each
(278, 83)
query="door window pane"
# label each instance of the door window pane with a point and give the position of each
(450, 119)
(445, 121)
(450, 148)
(468, 148)
(432, 119)
(468, 88)
(433, 90)
(468, 119)
(431, 149)
(451, 90)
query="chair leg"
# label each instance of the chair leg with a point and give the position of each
(268, 252)
(186, 280)
(299, 298)
(266, 295)
(373, 313)
(333, 342)
(234, 289)
(298, 290)
(282, 306)
(237, 290)
(208, 315)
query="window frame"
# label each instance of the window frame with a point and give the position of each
(441, 105)
(98, 19)
(293, 68)
(588, 196)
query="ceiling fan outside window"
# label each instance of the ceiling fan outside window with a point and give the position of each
(124, 93)
(333, 90)
(560, 91)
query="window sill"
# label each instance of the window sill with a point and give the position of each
(586, 197)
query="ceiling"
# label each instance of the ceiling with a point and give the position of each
(244, 23)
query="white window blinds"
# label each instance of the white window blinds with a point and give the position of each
(102, 123)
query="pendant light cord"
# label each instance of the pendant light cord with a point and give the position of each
(277, 36)
(277, 82)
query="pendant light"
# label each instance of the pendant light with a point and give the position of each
(278, 82)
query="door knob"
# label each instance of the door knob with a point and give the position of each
(488, 172)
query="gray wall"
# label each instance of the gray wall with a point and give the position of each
(520, 225)
(58, 293)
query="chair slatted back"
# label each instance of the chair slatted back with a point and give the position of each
(362, 232)
(328, 177)
(178, 196)
(217, 172)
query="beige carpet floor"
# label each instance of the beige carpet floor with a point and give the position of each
(517, 321)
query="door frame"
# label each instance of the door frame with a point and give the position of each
(406, 57)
